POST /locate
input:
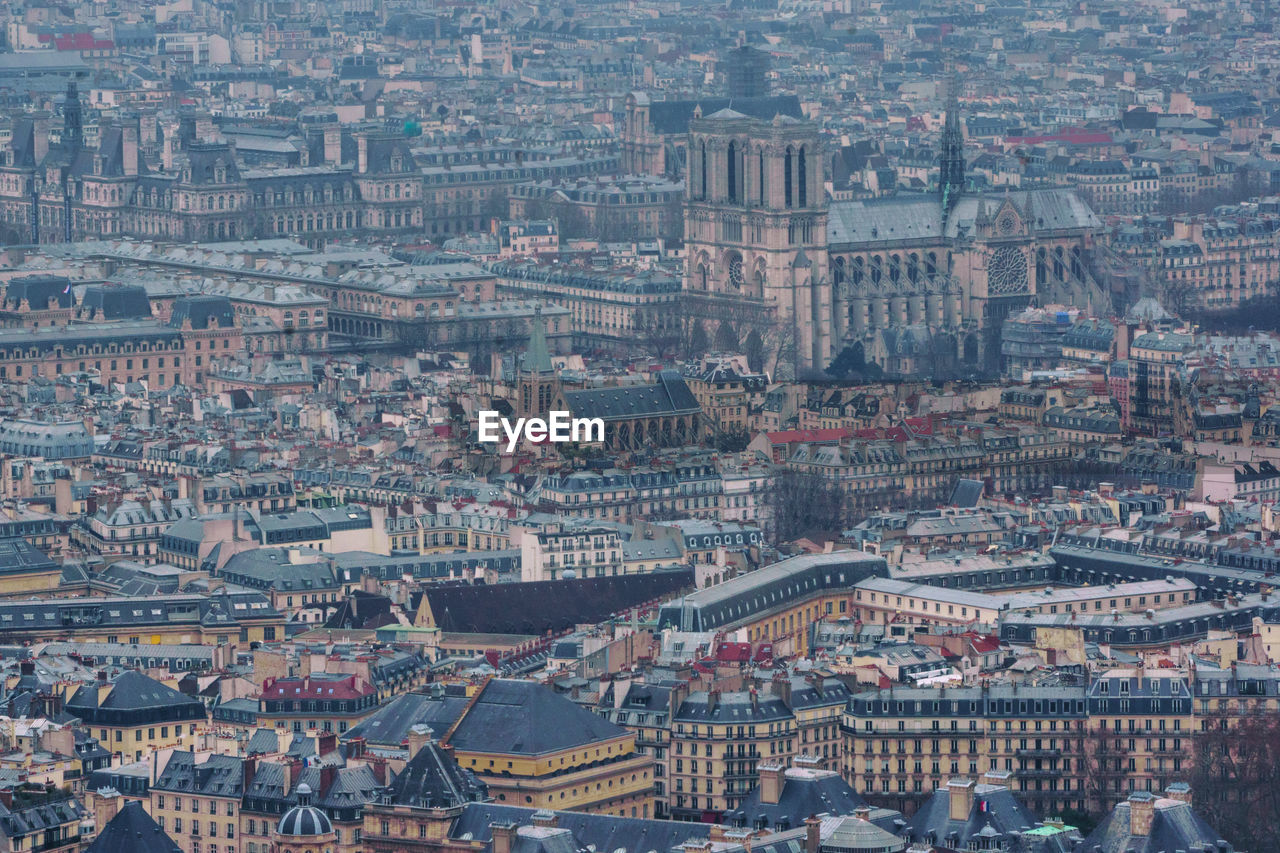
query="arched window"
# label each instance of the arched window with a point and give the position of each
(801, 179)
(762, 177)
(702, 171)
(786, 178)
(731, 172)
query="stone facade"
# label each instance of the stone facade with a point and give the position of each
(914, 283)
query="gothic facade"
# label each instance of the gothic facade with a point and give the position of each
(918, 284)
(756, 236)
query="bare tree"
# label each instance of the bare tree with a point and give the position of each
(698, 342)
(1106, 756)
(672, 226)
(497, 205)
(799, 500)
(753, 346)
(1236, 780)
(658, 327)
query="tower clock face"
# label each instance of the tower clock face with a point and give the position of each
(1007, 272)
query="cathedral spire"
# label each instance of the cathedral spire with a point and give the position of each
(951, 177)
(72, 119)
(537, 357)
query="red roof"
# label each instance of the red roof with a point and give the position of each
(349, 687)
(81, 41)
(734, 652)
(792, 436)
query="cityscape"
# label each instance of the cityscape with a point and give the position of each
(640, 426)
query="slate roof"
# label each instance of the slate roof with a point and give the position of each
(38, 290)
(526, 718)
(201, 310)
(672, 117)
(668, 396)
(36, 818)
(993, 806)
(263, 742)
(352, 788)
(133, 693)
(919, 218)
(541, 606)
(433, 779)
(20, 557)
(132, 830)
(967, 493)
(732, 707)
(601, 832)
(217, 776)
(390, 724)
(805, 791)
(117, 301)
(1174, 826)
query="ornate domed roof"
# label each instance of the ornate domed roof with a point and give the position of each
(304, 818)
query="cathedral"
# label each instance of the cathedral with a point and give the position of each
(918, 284)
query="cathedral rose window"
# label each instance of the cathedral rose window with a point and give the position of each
(735, 271)
(1007, 271)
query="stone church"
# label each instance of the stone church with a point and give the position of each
(918, 284)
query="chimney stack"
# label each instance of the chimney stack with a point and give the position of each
(1179, 791)
(960, 798)
(249, 767)
(997, 777)
(333, 145)
(504, 836)
(419, 736)
(1142, 811)
(362, 157)
(772, 778)
(812, 834)
(40, 136)
(129, 146)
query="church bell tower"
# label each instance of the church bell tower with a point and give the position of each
(755, 235)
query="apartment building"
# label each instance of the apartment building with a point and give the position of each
(135, 715)
(718, 741)
(901, 745)
(321, 701)
(885, 600)
(1139, 734)
(198, 802)
(531, 747)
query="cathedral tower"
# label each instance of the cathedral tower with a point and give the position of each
(755, 237)
(72, 120)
